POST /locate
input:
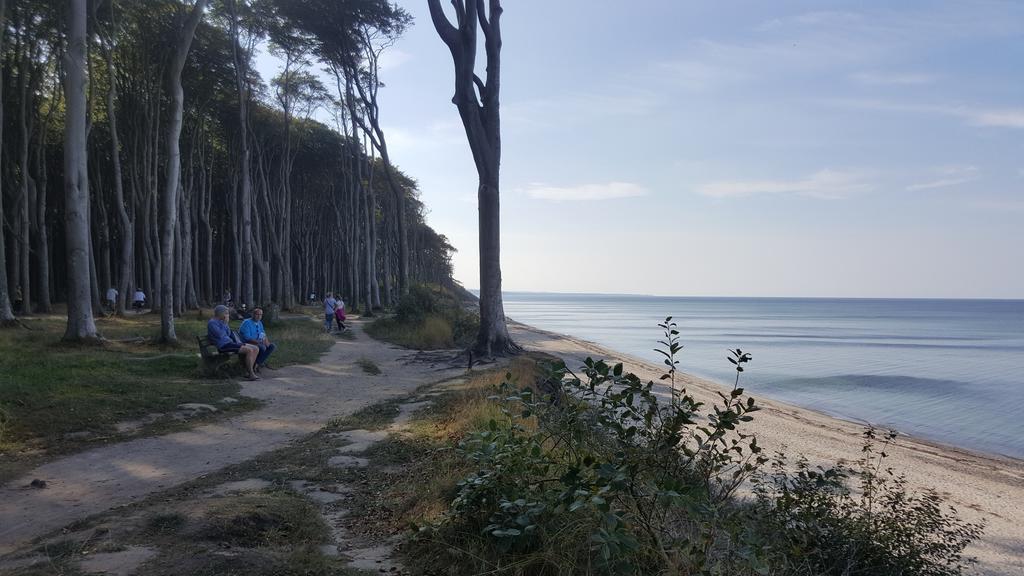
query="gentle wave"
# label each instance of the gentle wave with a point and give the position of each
(946, 370)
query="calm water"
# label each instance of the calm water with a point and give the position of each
(945, 370)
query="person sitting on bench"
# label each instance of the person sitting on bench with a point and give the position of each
(253, 333)
(226, 341)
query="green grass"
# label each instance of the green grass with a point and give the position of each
(49, 390)
(434, 332)
(427, 318)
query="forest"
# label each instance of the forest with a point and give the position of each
(143, 151)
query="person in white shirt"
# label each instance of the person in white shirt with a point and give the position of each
(139, 300)
(112, 297)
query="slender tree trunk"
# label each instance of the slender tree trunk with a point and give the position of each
(6, 313)
(42, 238)
(169, 219)
(76, 194)
(125, 222)
(245, 199)
(25, 197)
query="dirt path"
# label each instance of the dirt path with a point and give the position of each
(299, 400)
(980, 487)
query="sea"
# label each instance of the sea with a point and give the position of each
(949, 371)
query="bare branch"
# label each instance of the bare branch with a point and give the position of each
(482, 17)
(480, 86)
(448, 33)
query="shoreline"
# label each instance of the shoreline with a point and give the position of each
(710, 383)
(981, 486)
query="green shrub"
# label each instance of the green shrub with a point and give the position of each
(885, 530)
(429, 317)
(599, 474)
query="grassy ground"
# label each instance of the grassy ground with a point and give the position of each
(56, 398)
(272, 529)
(427, 318)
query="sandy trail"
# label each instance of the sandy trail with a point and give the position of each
(979, 486)
(299, 400)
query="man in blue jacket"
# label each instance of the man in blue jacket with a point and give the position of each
(221, 336)
(253, 333)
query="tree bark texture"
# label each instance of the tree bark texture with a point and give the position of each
(80, 326)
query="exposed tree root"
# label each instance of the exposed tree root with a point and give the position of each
(15, 323)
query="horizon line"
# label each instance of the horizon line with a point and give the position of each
(642, 295)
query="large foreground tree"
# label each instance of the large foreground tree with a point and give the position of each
(477, 101)
(76, 180)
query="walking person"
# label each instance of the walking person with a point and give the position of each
(339, 315)
(112, 299)
(330, 305)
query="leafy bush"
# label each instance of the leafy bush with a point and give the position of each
(613, 458)
(599, 473)
(883, 530)
(429, 317)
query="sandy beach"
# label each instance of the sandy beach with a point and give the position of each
(979, 486)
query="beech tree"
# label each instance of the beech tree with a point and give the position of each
(169, 216)
(81, 325)
(156, 146)
(6, 313)
(477, 102)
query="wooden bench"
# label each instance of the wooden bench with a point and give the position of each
(213, 360)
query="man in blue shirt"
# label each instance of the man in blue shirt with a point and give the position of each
(221, 336)
(253, 333)
(329, 305)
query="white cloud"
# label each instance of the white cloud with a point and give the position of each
(815, 19)
(697, 74)
(825, 184)
(892, 79)
(973, 115)
(606, 191)
(393, 58)
(947, 176)
(942, 183)
(1006, 118)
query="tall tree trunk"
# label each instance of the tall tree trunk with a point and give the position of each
(245, 199)
(127, 229)
(25, 197)
(6, 313)
(169, 219)
(482, 122)
(76, 193)
(42, 238)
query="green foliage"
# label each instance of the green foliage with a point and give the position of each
(602, 474)
(882, 530)
(429, 317)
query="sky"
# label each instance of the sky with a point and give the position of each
(742, 148)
